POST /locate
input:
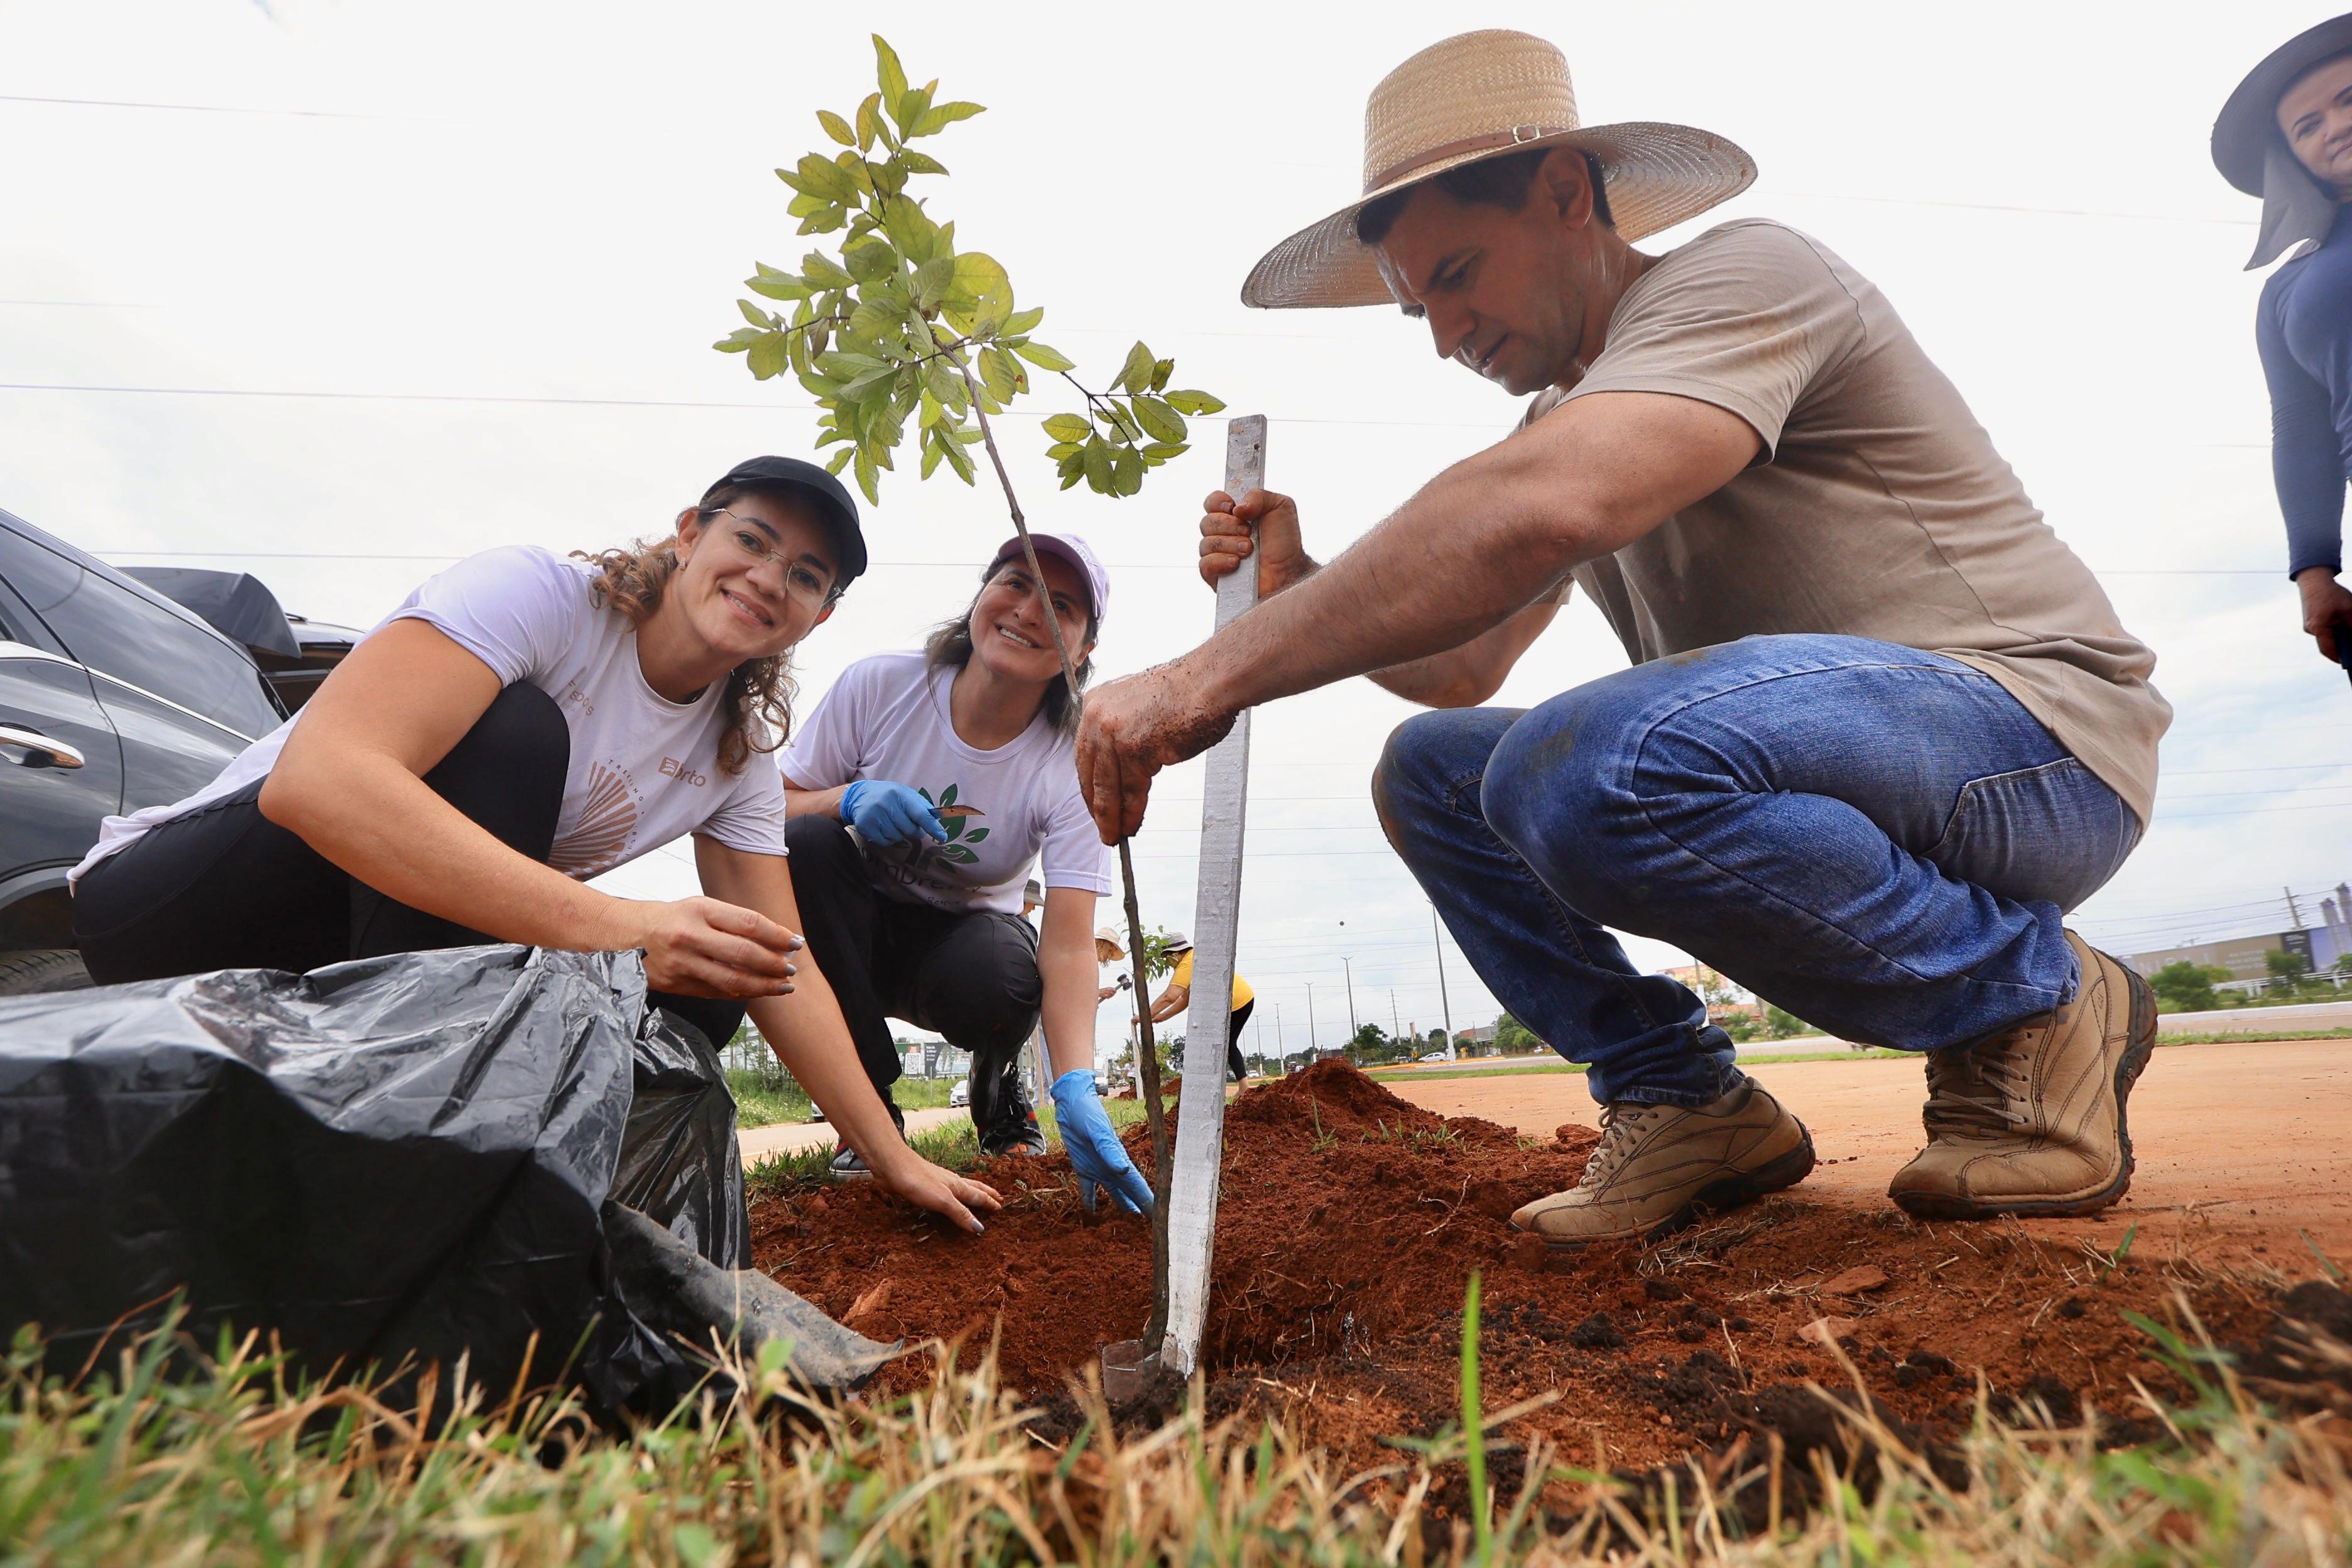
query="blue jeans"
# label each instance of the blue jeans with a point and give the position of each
(1878, 840)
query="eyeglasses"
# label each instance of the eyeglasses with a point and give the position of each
(749, 537)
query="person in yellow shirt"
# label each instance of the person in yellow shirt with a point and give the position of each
(1179, 997)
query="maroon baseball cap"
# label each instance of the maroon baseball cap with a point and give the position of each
(1075, 549)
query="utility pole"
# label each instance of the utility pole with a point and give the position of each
(1310, 1020)
(2294, 913)
(1348, 968)
(1444, 1004)
(1281, 1046)
(1393, 1024)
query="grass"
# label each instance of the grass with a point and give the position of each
(235, 1460)
(2266, 1036)
(767, 1095)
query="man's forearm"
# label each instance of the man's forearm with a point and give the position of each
(1451, 565)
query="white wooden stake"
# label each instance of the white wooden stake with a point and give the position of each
(1216, 922)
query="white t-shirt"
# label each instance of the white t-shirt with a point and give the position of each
(886, 718)
(644, 770)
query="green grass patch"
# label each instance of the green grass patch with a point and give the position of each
(766, 1096)
(2242, 1037)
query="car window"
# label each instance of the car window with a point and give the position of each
(117, 633)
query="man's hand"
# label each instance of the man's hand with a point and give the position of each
(1225, 541)
(1131, 729)
(2326, 605)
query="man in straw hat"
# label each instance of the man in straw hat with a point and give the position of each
(1881, 727)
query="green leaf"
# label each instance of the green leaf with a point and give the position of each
(980, 296)
(736, 341)
(890, 73)
(1023, 321)
(997, 372)
(775, 285)
(1159, 452)
(1061, 450)
(753, 314)
(909, 108)
(868, 480)
(1098, 460)
(932, 280)
(869, 122)
(1135, 375)
(940, 116)
(836, 127)
(770, 356)
(840, 460)
(1157, 418)
(1127, 471)
(932, 453)
(1195, 402)
(917, 163)
(1069, 427)
(958, 458)
(820, 176)
(1045, 358)
(842, 365)
(823, 272)
(871, 259)
(1161, 370)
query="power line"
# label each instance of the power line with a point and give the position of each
(202, 108)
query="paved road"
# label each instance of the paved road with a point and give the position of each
(2298, 1019)
(788, 1137)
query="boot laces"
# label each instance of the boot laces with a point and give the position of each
(1618, 1123)
(1979, 1088)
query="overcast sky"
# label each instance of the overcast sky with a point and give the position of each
(396, 282)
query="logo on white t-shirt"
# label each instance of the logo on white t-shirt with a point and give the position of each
(928, 863)
(673, 769)
(600, 837)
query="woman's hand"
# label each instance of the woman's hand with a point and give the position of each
(887, 813)
(928, 1186)
(2326, 607)
(701, 947)
(1095, 1151)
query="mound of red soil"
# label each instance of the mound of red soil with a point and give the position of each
(1350, 1222)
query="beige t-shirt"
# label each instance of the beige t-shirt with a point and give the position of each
(1878, 508)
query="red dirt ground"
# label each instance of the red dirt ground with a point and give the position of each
(1350, 1221)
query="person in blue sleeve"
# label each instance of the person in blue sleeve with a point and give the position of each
(2285, 135)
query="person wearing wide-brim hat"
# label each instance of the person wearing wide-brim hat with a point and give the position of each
(1177, 997)
(2285, 135)
(1883, 728)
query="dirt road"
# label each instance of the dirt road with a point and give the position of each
(2238, 1145)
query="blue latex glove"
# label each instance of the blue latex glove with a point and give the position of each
(886, 813)
(1094, 1148)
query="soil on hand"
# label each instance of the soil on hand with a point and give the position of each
(1350, 1222)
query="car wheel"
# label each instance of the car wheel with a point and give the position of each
(27, 971)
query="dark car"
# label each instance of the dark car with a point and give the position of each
(111, 698)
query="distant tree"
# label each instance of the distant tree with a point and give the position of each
(1779, 1024)
(1741, 1026)
(2287, 969)
(1514, 1038)
(1368, 1047)
(2184, 987)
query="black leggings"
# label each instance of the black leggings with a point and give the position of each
(1233, 1063)
(225, 887)
(972, 977)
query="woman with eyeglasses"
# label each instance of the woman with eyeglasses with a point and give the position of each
(919, 792)
(522, 723)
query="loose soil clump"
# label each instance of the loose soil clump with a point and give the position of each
(1350, 1222)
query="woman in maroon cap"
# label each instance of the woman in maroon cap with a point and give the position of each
(920, 790)
(522, 723)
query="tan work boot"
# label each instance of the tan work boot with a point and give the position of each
(1658, 1165)
(2031, 1120)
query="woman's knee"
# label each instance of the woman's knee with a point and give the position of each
(982, 987)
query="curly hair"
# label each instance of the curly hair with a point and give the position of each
(758, 703)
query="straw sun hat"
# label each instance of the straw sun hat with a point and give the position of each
(1480, 95)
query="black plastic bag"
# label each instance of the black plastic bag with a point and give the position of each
(400, 1159)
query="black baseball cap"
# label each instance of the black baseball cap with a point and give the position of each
(830, 495)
